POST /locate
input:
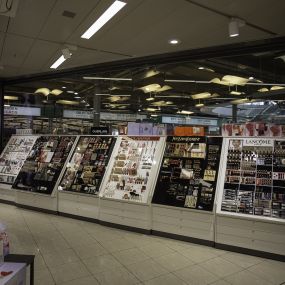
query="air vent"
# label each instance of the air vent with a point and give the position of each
(68, 14)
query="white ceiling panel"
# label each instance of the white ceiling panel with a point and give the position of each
(86, 57)
(131, 21)
(30, 17)
(196, 28)
(40, 54)
(3, 23)
(15, 50)
(263, 13)
(59, 27)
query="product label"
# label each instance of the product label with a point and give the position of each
(258, 142)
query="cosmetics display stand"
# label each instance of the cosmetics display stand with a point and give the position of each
(11, 161)
(80, 184)
(250, 208)
(185, 190)
(38, 180)
(127, 187)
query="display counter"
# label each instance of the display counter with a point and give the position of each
(185, 189)
(128, 185)
(251, 200)
(80, 184)
(38, 178)
(11, 161)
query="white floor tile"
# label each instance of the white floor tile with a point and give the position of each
(130, 256)
(146, 270)
(167, 279)
(242, 260)
(82, 281)
(156, 250)
(196, 275)
(93, 249)
(118, 276)
(221, 267)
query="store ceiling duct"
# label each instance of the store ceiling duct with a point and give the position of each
(103, 19)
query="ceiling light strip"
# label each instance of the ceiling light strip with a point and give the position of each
(58, 62)
(103, 19)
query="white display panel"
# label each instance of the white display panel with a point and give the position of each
(133, 168)
(13, 157)
(252, 179)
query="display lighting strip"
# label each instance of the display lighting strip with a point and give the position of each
(103, 19)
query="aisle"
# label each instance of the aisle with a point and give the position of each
(70, 252)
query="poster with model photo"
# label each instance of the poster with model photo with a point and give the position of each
(133, 169)
(86, 168)
(44, 164)
(188, 172)
(13, 157)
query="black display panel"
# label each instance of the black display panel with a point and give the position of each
(44, 164)
(85, 171)
(188, 174)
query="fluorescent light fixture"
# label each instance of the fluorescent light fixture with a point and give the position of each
(58, 62)
(63, 87)
(199, 105)
(149, 99)
(236, 93)
(151, 109)
(240, 101)
(67, 102)
(75, 93)
(12, 98)
(70, 91)
(206, 69)
(263, 89)
(56, 92)
(201, 67)
(276, 88)
(203, 95)
(44, 91)
(107, 78)
(7, 105)
(185, 112)
(251, 78)
(154, 115)
(174, 41)
(103, 19)
(77, 97)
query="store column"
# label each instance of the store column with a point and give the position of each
(234, 113)
(96, 109)
(1, 116)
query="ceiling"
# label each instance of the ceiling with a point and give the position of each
(32, 40)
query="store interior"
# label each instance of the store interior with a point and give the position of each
(148, 164)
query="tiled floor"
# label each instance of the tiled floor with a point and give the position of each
(71, 252)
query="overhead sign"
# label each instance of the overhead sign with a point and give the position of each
(189, 121)
(22, 111)
(77, 114)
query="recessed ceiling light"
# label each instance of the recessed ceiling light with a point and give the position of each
(77, 97)
(103, 19)
(139, 110)
(63, 87)
(75, 93)
(201, 67)
(174, 41)
(70, 91)
(251, 78)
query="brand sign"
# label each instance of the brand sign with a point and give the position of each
(99, 131)
(77, 114)
(22, 111)
(258, 142)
